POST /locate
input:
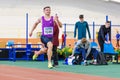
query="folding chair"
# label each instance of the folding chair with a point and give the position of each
(109, 50)
(10, 43)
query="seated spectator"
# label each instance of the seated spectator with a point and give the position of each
(84, 47)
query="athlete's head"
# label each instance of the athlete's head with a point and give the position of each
(81, 17)
(84, 40)
(107, 24)
(47, 10)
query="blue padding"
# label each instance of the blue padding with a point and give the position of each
(108, 48)
(93, 44)
(41, 57)
(10, 43)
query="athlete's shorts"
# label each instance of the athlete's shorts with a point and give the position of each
(45, 40)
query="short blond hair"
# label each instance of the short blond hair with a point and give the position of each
(84, 40)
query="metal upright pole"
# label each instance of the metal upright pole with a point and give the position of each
(93, 31)
(26, 28)
(27, 45)
(65, 34)
(106, 18)
(111, 29)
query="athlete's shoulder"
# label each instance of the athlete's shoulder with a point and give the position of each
(102, 26)
(85, 22)
(39, 19)
(42, 17)
(77, 22)
(52, 16)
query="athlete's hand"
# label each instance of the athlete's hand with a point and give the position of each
(108, 42)
(30, 34)
(75, 40)
(90, 40)
(56, 17)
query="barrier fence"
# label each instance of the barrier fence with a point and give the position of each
(94, 28)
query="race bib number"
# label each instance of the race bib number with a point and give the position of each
(48, 30)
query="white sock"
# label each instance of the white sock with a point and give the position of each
(85, 61)
(95, 60)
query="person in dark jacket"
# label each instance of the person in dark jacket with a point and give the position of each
(104, 35)
(56, 43)
(81, 26)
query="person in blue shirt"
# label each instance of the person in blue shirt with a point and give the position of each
(117, 39)
(82, 26)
